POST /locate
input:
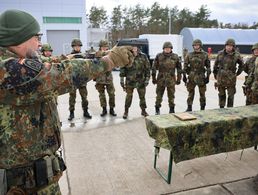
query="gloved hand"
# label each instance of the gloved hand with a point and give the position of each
(154, 80)
(207, 80)
(185, 79)
(122, 83)
(121, 56)
(146, 83)
(178, 82)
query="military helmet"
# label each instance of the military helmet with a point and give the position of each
(46, 47)
(103, 43)
(255, 46)
(76, 42)
(168, 44)
(230, 42)
(197, 42)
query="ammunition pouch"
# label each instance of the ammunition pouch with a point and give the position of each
(40, 173)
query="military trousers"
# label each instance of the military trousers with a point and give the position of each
(231, 90)
(254, 98)
(249, 97)
(160, 92)
(102, 97)
(83, 92)
(191, 91)
(129, 96)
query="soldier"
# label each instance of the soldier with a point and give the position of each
(76, 45)
(137, 76)
(248, 68)
(196, 65)
(225, 72)
(30, 130)
(105, 82)
(166, 63)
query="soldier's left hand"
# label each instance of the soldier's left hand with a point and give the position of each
(207, 80)
(146, 83)
(121, 55)
(178, 82)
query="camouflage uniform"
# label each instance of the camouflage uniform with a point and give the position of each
(137, 76)
(105, 82)
(248, 68)
(166, 64)
(82, 89)
(30, 128)
(196, 65)
(226, 72)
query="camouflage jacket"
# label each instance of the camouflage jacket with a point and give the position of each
(138, 73)
(29, 122)
(225, 69)
(167, 65)
(196, 65)
(252, 79)
(106, 78)
(248, 68)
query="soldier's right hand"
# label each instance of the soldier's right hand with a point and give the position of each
(185, 79)
(121, 55)
(122, 83)
(154, 80)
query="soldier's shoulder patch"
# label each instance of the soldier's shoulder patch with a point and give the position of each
(33, 65)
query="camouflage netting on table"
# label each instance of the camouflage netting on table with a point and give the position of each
(214, 131)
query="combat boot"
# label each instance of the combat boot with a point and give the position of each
(125, 113)
(157, 111)
(104, 111)
(202, 107)
(71, 116)
(112, 112)
(189, 108)
(86, 114)
(144, 113)
(172, 109)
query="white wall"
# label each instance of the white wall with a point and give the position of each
(52, 8)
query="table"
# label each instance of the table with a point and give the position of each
(212, 132)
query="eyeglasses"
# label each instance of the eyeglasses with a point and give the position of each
(38, 36)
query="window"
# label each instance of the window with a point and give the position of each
(71, 20)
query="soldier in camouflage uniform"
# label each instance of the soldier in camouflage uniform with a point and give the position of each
(105, 82)
(166, 63)
(197, 67)
(137, 76)
(248, 68)
(76, 45)
(30, 128)
(225, 72)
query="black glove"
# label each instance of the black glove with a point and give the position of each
(207, 80)
(178, 82)
(122, 83)
(154, 80)
(185, 79)
(146, 83)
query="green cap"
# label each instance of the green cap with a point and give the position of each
(17, 27)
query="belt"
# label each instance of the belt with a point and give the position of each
(38, 174)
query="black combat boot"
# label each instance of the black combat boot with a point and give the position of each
(171, 109)
(104, 111)
(189, 108)
(157, 111)
(202, 107)
(221, 106)
(71, 116)
(112, 112)
(144, 113)
(125, 113)
(86, 114)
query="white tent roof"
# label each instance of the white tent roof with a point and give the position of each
(218, 36)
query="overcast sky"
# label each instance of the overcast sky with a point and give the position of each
(226, 11)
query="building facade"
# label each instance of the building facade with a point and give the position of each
(60, 20)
